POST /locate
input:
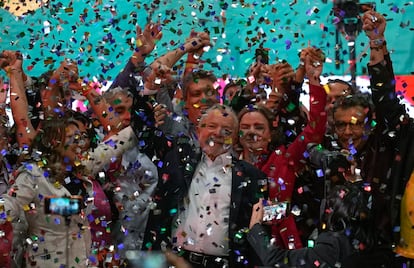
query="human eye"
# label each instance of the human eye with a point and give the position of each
(120, 110)
(259, 127)
(244, 126)
(70, 139)
(84, 135)
(209, 92)
(227, 132)
(211, 126)
(196, 93)
(340, 125)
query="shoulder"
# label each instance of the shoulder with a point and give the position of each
(336, 240)
(247, 169)
(249, 173)
(30, 176)
(30, 169)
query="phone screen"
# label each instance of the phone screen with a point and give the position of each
(276, 211)
(64, 206)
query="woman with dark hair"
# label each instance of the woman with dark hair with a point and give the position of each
(345, 233)
(51, 169)
(60, 163)
(256, 150)
(261, 139)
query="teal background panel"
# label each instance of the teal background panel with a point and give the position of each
(99, 34)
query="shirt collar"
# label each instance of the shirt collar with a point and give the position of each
(222, 160)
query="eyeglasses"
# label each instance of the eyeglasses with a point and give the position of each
(341, 126)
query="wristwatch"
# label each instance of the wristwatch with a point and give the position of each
(377, 44)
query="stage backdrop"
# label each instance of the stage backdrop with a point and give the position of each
(99, 34)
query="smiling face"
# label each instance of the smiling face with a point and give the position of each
(200, 95)
(255, 133)
(349, 126)
(217, 131)
(122, 102)
(76, 143)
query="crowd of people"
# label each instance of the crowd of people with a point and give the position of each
(168, 171)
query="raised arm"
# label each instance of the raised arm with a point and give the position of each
(113, 146)
(316, 126)
(58, 92)
(374, 26)
(162, 67)
(12, 64)
(387, 105)
(281, 76)
(102, 109)
(144, 44)
(194, 46)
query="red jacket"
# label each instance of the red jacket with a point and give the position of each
(282, 165)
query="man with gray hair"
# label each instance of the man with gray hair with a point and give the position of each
(203, 200)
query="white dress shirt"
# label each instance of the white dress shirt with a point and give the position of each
(203, 223)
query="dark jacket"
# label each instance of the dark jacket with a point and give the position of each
(386, 160)
(176, 172)
(397, 130)
(383, 152)
(330, 249)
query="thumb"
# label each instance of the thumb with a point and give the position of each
(138, 30)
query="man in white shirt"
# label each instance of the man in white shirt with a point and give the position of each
(203, 201)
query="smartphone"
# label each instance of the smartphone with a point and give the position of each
(276, 211)
(64, 206)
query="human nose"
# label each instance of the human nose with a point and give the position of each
(222, 132)
(126, 116)
(218, 131)
(208, 98)
(249, 132)
(347, 129)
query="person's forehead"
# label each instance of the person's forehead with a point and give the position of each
(120, 94)
(355, 111)
(201, 83)
(71, 128)
(121, 98)
(337, 89)
(219, 116)
(254, 115)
